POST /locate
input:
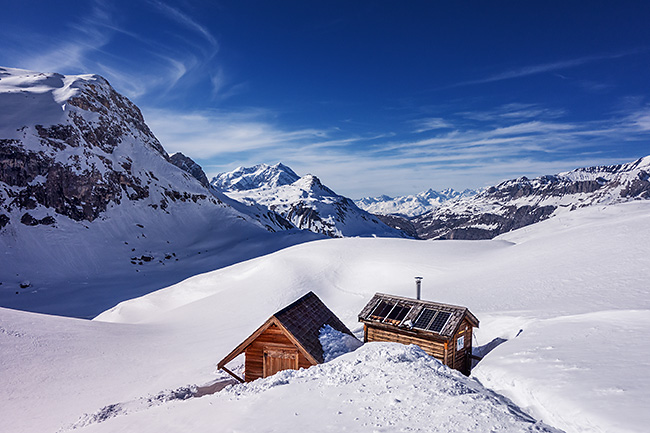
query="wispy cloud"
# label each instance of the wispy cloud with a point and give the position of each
(208, 134)
(93, 44)
(513, 112)
(184, 19)
(474, 156)
(546, 67)
(430, 124)
(70, 52)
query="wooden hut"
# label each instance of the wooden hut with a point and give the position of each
(287, 340)
(441, 330)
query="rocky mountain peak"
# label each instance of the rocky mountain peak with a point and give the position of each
(314, 186)
(187, 164)
(257, 176)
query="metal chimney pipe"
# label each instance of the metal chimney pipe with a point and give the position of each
(418, 286)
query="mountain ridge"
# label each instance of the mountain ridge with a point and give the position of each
(304, 201)
(520, 202)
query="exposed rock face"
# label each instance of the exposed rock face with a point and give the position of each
(517, 203)
(4, 220)
(400, 223)
(187, 164)
(29, 220)
(80, 193)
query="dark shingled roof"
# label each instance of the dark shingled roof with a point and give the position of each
(416, 306)
(304, 318)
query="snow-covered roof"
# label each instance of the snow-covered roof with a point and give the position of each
(416, 315)
(303, 320)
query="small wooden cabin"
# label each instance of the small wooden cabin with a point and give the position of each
(287, 340)
(441, 330)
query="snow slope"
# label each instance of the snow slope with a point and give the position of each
(569, 296)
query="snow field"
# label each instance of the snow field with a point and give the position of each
(568, 296)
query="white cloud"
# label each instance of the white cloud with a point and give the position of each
(382, 164)
(546, 67)
(430, 124)
(208, 134)
(184, 19)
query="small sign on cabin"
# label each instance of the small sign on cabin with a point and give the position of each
(443, 331)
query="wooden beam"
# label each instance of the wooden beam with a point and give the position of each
(233, 374)
(239, 349)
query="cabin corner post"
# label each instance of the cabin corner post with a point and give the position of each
(446, 362)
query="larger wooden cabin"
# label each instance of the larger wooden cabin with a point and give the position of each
(441, 330)
(287, 340)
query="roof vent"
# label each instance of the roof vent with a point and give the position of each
(418, 286)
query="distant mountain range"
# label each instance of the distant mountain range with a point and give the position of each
(520, 202)
(411, 205)
(304, 201)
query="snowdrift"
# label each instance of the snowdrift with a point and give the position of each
(379, 387)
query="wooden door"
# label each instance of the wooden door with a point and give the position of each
(276, 359)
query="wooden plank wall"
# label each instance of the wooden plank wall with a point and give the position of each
(458, 360)
(461, 360)
(433, 348)
(272, 336)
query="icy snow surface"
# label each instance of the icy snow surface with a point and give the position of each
(563, 304)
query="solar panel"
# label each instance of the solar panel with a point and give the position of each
(381, 310)
(425, 317)
(397, 314)
(439, 321)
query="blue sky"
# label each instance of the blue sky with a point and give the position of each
(374, 97)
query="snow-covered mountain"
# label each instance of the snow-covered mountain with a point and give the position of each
(520, 202)
(85, 186)
(304, 201)
(255, 177)
(410, 205)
